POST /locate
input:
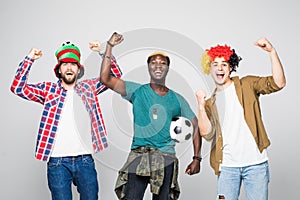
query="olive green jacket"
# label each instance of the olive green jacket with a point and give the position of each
(248, 89)
(152, 167)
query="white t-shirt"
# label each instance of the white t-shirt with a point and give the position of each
(68, 141)
(239, 146)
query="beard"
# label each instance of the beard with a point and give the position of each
(69, 81)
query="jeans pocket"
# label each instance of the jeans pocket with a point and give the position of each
(88, 161)
(53, 163)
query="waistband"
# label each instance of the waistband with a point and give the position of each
(71, 157)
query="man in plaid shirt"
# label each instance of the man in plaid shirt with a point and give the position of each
(61, 141)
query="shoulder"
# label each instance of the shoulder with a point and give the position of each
(134, 85)
(178, 96)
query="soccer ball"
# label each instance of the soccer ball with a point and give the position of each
(181, 129)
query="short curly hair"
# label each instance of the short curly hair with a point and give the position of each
(219, 51)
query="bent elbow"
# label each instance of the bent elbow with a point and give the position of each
(15, 89)
(282, 85)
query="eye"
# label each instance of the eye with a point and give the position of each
(225, 64)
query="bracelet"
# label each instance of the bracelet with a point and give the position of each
(110, 44)
(197, 158)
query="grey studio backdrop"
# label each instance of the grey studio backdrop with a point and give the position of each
(183, 29)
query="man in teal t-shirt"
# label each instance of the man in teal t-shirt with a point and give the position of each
(153, 114)
(152, 157)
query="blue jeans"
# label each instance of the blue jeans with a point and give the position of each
(136, 185)
(255, 179)
(62, 171)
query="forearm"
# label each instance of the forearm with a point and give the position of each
(277, 69)
(197, 139)
(106, 65)
(204, 123)
(107, 77)
(20, 78)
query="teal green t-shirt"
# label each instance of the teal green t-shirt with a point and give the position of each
(152, 115)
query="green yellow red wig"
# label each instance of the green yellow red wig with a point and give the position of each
(218, 52)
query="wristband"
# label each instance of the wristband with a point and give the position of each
(110, 44)
(197, 158)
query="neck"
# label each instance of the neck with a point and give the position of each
(222, 87)
(159, 88)
(68, 86)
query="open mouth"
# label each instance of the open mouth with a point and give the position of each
(158, 73)
(220, 75)
(69, 73)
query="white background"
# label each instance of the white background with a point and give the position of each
(47, 24)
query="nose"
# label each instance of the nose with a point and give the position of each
(219, 67)
(69, 65)
(158, 65)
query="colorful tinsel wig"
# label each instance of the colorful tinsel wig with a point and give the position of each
(219, 51)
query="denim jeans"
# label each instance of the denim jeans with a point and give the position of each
(136, 185)
(79, 170)
(255, 179)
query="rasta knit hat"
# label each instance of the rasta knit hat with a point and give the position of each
(156, 53)
(68, 53)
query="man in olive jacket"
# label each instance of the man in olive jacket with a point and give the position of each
(231, 119)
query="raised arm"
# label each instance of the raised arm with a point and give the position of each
(277, 69)
(115, 69)
(19, 86)
(116, 84)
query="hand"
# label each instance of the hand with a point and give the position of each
(264, 44)
(95, 46)
(193, 167)
(35, 53)
(115, 39)
(201, 95)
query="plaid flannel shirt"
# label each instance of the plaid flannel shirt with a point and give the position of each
(52, 95)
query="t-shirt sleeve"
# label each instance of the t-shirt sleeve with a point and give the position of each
(130, 89)
(186, 110)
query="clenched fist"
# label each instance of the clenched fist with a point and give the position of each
(115, 39)
(95, 46)
(35, 53)
(201, 95)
